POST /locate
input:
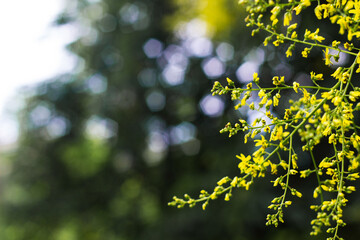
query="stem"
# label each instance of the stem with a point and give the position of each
(287, 87)
(288, 174)
(317, 174)
(307, 43)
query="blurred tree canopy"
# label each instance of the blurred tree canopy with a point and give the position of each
(104, 148)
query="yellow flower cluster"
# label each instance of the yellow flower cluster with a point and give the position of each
(320, 114)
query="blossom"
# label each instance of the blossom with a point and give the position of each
(255, 77)
(356, 11)
(305, 52)
(296, 86)
(243, 158)
(353, 95)
(261, 142)
(316, 77)
(261, 93)
(287, 18)
(327, 57)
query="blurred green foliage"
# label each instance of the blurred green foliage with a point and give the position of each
(105, 147)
